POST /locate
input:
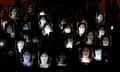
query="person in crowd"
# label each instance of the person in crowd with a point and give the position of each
(106, 44)
(81, 32)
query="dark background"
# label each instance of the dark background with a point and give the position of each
(84, 8)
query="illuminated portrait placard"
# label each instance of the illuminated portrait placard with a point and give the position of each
(20, 45)
(44, 61)
(27, 59)
(13, 13)
(90, 38)
(98, 54)
(69, 42)
(47, 30)
(61, 60)
(101, 32)
(81, 28)
(100, 17)
(85, 55)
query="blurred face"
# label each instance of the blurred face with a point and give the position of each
(9, 29)
(44, 58)
(2, 43)
(62, 58)
(26, 57)
(86, 52)
(69, 43)
(14, 12)
(2, 13)
(11, 53)
(20, 45)
(35, 40)
(30, 8)
(25, 27)
(42, 13)
(26, 37)
(98, 54)
(105, 41)
(100, 18)
(63, 22)
(90, 36)
(67, 30)
(43, 21)
(101, 32)
(47, 29)
(81, 29)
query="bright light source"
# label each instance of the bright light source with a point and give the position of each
(42, 13)
(98, 55)
(112, 27)
(100, 18)
(67, 30)
(20, 45)
(1, 44)
(44, 60)
(69, 45)
(47, 30)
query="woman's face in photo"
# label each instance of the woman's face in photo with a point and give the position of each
(14, 12)
(100, 18)
(81, 29)
(9, 29)
(2, 13)
(44, 58)
(26, 56)
(90, 36)
(30, 8)
(86, 52)
(105, 41)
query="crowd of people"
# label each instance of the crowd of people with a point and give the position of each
(33, 42)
